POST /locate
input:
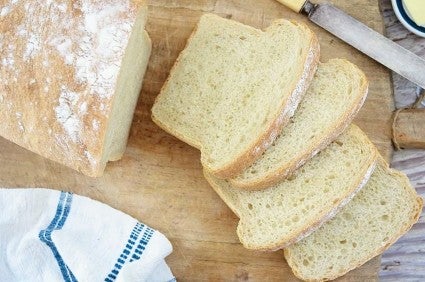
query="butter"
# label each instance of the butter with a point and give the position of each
(416, 10)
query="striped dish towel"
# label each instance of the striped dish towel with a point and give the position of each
(48, 235)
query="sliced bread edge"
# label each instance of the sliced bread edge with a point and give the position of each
(407, 226)
(282, 172)
(288, 109)
(313, 224)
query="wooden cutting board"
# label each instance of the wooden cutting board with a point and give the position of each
(159, 181)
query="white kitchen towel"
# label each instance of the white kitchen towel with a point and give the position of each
(48, 235)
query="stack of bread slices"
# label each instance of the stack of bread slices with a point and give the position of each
(273, 125)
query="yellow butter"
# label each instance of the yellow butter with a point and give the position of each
(416, 10)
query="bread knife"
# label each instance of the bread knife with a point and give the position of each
(363, 38)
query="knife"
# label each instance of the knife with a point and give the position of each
(363, 38)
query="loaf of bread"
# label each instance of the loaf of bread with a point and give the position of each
(234, 87)
(334, 97)
(71, 73)
(282, 214)
(378, 215)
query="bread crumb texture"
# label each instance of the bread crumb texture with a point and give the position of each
(334, 97)
(381, 212)
(234, 86)
(290, 210)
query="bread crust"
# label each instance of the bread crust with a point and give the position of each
(54, 83)
(314, 224)
(320, 219)
(275, 176)
(282, 118)
(414, 218)
(270, 134)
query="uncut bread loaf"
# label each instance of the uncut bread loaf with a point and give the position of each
(379, 214)
(334, 97)
(285, 213)
(70, 76)
(233, 88)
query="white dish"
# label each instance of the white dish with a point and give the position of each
(403, 16)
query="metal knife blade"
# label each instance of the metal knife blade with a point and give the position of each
(368, 41)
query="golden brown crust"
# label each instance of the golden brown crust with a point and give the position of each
(265, 140)
(276, 176)
(326, 215)
(282, 118)
(54, 107)
(377, 252)
(413, 219)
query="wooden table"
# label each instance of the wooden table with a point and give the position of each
(159, 180)
(406, 259)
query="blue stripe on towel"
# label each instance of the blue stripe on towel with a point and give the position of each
(125, 254)
(147, 235)
(45, 235)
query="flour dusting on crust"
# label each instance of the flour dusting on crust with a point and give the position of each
(66, 114)
(92, 50)
(63, 56)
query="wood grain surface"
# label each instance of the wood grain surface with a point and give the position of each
(159, 180)
(404, 261)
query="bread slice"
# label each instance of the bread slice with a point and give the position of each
(378, 215)
(281, 215)
(71, 74)
(233, 88)
(334, 97)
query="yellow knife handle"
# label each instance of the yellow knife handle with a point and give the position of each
(294, 5)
